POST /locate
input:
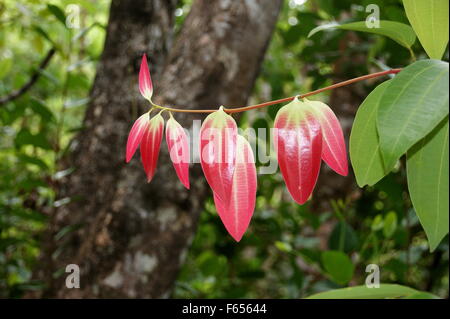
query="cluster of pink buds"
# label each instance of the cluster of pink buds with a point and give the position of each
(305, 133)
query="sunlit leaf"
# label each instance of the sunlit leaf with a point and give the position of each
(430, 22)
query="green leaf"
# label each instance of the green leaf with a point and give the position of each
(390, 224)
(429, 20)
(57, 12)
(33, 160)
(377, 223)
(42, 110)
(31, 183)
(401, 33)
(427, 169)
(365, 154)
(338, 265)
(343, 237)
(43, 34)
(422, 295)
(283, 246)
(30, 214)
(412, 105)
(363, 292)
(25, 137)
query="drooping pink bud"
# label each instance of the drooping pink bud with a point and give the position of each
(150, 145)
(178, 145)
(334, 152)
(237, 215)
(218, 136)
(298, 144)
(145, 80)
(135, 135)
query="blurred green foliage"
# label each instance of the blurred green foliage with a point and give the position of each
(36, 128)
(289, 251)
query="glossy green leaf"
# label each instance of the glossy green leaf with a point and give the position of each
(412, 105)
(401, 33)
(363, 292)
(338, 265)
(429, 20)
(427, 169)
(365, 152)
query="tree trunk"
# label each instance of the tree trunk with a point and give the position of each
(129, 238)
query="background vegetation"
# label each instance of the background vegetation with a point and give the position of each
(289, 251)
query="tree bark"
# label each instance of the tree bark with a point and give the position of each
(130, 238)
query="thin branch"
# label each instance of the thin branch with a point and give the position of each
(284, 100)
(34, 77)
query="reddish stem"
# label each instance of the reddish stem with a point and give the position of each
(287, 99)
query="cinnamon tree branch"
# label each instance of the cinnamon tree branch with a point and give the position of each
(34, 77)
(284, 100)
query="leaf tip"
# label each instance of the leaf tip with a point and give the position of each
(236, 237)
(145, 80)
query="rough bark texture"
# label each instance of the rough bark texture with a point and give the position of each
(128, 237)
